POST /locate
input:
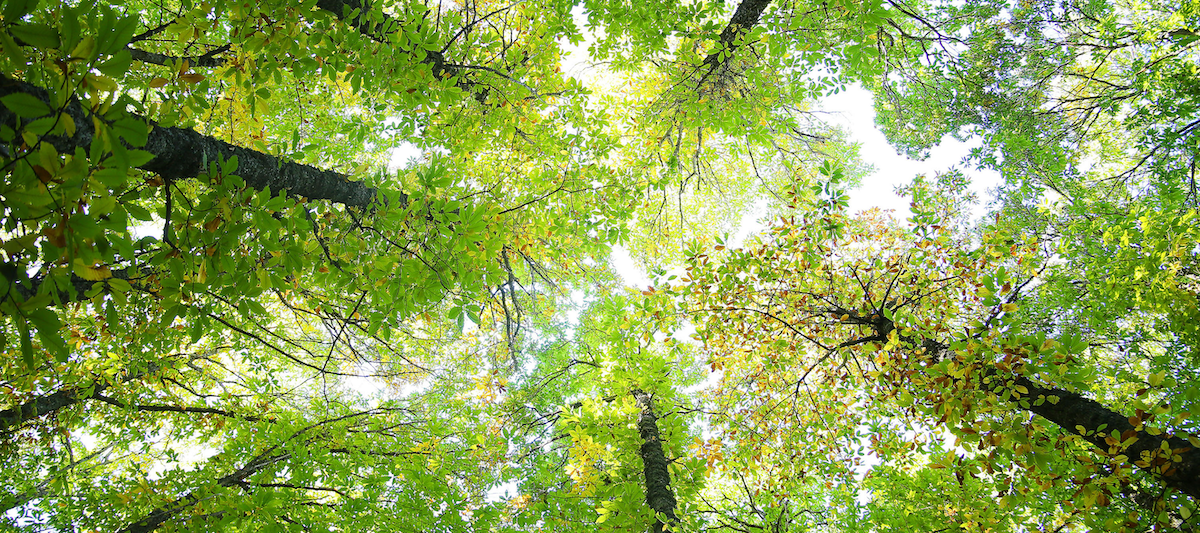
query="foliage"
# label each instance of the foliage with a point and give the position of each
(226, 307)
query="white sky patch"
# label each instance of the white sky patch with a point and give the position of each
(623, 263)
(854, 110)
(501, 491)
(400, 156)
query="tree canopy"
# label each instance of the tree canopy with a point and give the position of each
(227, 304)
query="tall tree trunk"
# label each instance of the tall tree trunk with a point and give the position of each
(1095, 422)
(161, 515)
(659, 496)
(1073, 412)
(43, 405)
(181, 153)
(745, 17)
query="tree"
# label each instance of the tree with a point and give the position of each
(224, 308)
(921, 326)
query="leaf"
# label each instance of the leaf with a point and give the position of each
(15, 9)
(25, 105)
(39, 35)
(117, 65)
(158, 82)
(26, 343)
(1155, 379)
(50, 332)
(89, 272)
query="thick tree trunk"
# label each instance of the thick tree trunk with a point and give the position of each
(1147, 452)
(745, 17)
(15, 416)
(182, 153)
(659, 496)
(43, 405)
(1153, 454)
(161, 515)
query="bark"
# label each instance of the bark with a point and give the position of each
(78, 286)
(181, 153)
(161, 515)
(1086, 417)
(209, 59)
(1073, 411)
(173, 409)
(659, 496)
(15, 416)
(745, 17)
(381, 30)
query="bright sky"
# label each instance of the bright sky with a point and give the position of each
(854, 110)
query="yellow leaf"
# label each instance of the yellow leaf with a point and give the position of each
(1009, 308)
(101, 83)
(1156, 378)
(68, 124)
(84, 49)
(1022, 389)
(192, 78)
(89, 272)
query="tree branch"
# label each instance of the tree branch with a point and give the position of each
(209, 59)
(745, 17)
(14, 416)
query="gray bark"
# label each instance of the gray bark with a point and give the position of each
(14, 416)
(745, 17)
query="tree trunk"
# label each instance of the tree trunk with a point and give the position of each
(1073, 411)
(14, 416)
(1095, 422)
(379, 32)
(745, 17)
(161, 515)
(659, 496)
(182, 152)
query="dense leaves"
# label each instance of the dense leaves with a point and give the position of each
(309, 266)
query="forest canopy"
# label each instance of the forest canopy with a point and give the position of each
(227, 303)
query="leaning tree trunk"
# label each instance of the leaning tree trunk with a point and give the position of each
(182, 153)
(1171, 459)
(13, 417)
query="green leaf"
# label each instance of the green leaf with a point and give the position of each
(15, 9)
(39, 35)
(50, 332)
(12, 49)
(25, 105)
(117, 65)
(26, 343)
